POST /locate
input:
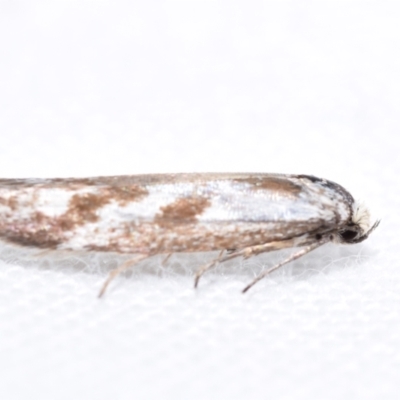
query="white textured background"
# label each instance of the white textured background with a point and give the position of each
(122, 87)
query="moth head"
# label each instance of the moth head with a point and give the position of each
(359, 227)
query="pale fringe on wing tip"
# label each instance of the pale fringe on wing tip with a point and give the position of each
(361, 216)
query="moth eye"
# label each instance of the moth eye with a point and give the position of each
(348, 235)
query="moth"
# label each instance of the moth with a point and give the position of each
(237, 213)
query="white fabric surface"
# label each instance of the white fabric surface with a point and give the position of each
(121, 87)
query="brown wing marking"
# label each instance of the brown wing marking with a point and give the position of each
(181, 211)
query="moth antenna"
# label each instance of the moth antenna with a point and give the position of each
(370, 230)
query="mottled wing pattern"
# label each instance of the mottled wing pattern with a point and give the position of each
(153, 214)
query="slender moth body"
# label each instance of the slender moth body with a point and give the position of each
(146, 215)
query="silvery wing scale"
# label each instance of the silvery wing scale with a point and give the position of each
(245, 214)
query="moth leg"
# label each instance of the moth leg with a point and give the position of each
(208, 266)
(43, 252)
(166, 258)
(123, 267)
(246, 253)
(292, 257)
